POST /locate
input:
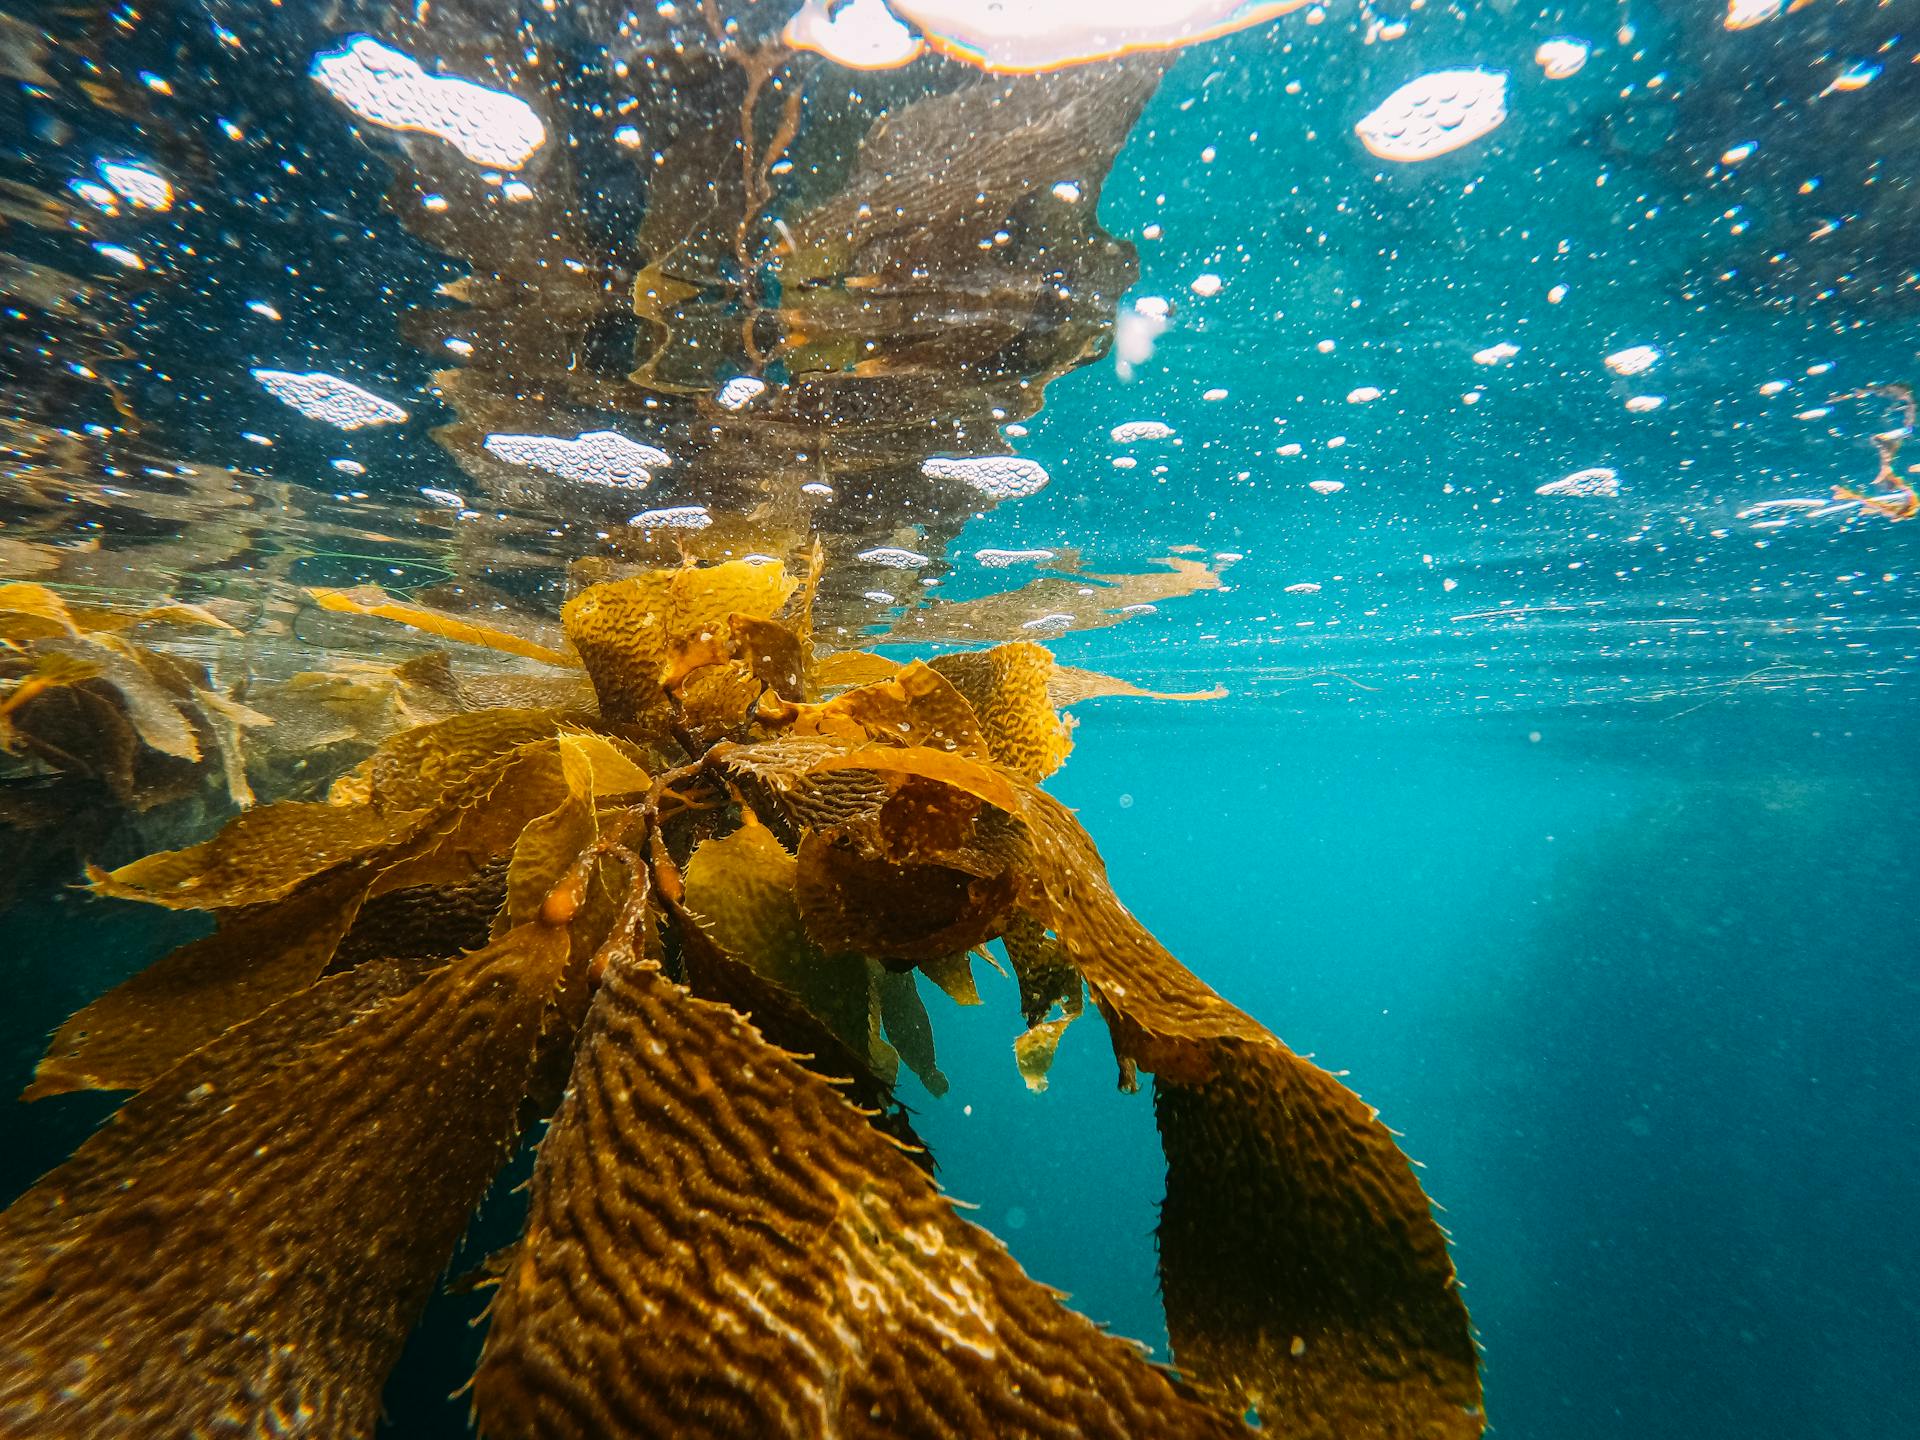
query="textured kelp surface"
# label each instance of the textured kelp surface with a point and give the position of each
(690, 920)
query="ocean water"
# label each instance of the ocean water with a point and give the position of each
(1575, 830)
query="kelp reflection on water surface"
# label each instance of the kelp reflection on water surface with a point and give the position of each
(669, 865)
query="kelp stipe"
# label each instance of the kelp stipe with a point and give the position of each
(711, 898)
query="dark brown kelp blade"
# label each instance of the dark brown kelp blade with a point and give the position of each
(246, 1244)
(1303, 1272)
(720, 1246)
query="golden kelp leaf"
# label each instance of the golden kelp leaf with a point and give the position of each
(52, 670)
(1303, 1272)
(245, 1245)
(426, 922)
(1045, 975)
(1033, 1052)
(1074, 600)
(774, 653)
(895, 911)
(260, 855)
(981, 781)
(370, 600)
(843, 668)
(32, 612)
(741, 891)
(227, 718)
(475, 823)
(143, 1026)
(720, 1245)
(152, 696)
(416, 768)
(79, 731)
(1068, 686)
(545, 878)
(954, 975)
(98, 618)
(632, 634)
(1007, 688)
(917, 707)
(908, 1027)
(541, 878)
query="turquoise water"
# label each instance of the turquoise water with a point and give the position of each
(1576, 830)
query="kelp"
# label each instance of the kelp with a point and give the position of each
(81, 698)
(711, 898)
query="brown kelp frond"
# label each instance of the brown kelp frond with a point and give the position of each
(255, 1233)
(1067, 685)
(642, 636)
(1054, 603)
(740, 889)
(720, 1245)
(80, 697)
(405, 803)
(1303, 1273)
(375, 603)
(734, 885)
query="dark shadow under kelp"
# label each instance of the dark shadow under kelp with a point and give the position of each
(708, 903)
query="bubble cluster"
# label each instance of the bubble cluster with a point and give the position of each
(1001, 559)
(1562, 57)
(1634, 360)
(597, 457)
(673, 517)
(894, 558)
(140, 187)
(1434, 114)
(739, 392)
(1598, 481)
(385, 87)
(329, 399)
(1002, 477)
(1130, 431)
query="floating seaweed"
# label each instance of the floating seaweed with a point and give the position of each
(707, 899)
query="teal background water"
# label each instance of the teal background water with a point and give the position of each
(1581, 833)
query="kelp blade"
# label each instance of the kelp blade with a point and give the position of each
(1303, 1272)
(720, 1245)
(245, 1246)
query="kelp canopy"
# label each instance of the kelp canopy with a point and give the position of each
(663, 887)
(696, 913)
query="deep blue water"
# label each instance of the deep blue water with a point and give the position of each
(1579, 832)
